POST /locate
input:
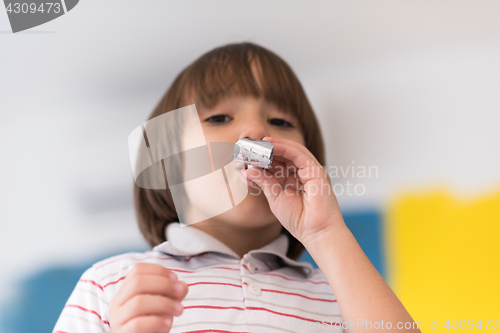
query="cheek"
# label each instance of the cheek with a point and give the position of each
(299, 137)
(301, 140)
(214, 134)
(294, 136)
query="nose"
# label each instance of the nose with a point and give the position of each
(254, 129)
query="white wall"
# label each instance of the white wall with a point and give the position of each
(411, 88)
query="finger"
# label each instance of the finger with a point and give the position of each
(285, 171)
(148, 324)
(277, 165)
(151, 269)
(279, 170)
(291, 143)
(299, 158)
(289, 166)
(313, 172)
(151, 284)
(298, 147)
(293, 182)
(147, 305)
(266, 181)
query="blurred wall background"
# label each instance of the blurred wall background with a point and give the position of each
(410, 88)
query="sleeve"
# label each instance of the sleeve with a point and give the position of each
(87, 309)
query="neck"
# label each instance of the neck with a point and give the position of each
(241, 239)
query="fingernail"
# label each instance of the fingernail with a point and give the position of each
(178, 307)
(173, 276)
(168, 322)
(179, 287)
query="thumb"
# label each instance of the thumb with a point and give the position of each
(267, 183)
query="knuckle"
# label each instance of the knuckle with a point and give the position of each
(139, 267)
(135, 325)
(170, 304)
(136, 303)
(135, 283)
(163, 270)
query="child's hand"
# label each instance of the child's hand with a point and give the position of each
(147, 301)
(298, 190)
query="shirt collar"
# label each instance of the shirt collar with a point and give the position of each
(190, 241)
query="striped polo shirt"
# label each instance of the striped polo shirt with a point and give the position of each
(264, 291)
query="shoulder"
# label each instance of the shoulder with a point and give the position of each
(126, 261)
(107, 275)
(114, 269)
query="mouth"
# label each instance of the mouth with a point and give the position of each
(243, 168)
(242, 171)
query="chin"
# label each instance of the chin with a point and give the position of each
(253, 211)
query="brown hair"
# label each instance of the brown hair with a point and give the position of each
(243, 69)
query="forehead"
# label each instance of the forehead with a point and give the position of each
(215, 81)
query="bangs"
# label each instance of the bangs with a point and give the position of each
(243, 70)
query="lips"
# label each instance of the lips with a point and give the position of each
(242, 171)
(243, 168)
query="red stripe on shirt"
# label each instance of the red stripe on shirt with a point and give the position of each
(255, 308)
(268, 266)
(145, 258)
(197, 255)
(268, 290)
(213, 331)
(286, 314)
(217, 267)
(112, 261)
(123, 277)
(214, 307)
(132, 258)
(93, 282)
(102, 287)
(223, 284)
(87, 310)
(217, 283)
(110, 283)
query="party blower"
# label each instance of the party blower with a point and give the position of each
(252, 152)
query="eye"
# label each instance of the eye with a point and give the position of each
(219, 118)
(279, 122)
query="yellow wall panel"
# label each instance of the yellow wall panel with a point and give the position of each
(444, 257)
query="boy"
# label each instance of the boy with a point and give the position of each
(236, 272)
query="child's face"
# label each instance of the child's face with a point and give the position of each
(241, 117)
